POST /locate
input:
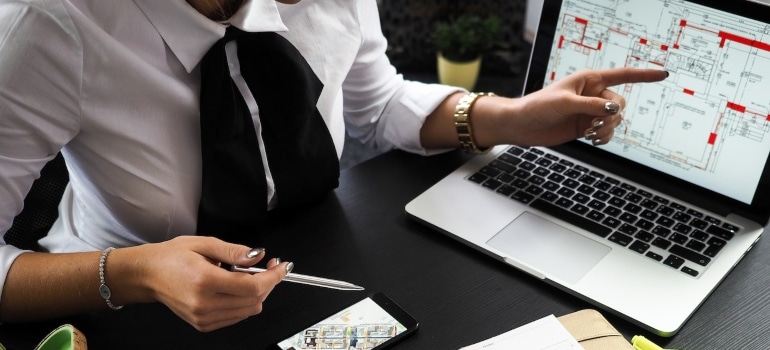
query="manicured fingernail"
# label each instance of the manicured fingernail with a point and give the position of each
(277, 261)
(289, 267)
(611, 107)
(598, 124)
(254, 252)
(596, 141)
(590, 134)
(667, 74)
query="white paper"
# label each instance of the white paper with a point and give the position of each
(546, 333)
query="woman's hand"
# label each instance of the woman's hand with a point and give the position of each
(580, 105)
(184, 274)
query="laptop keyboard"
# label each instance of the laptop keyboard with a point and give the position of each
(659, 229)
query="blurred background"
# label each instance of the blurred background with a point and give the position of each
(409, 26)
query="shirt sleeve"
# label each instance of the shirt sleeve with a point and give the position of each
(39, 88)
(381, 108)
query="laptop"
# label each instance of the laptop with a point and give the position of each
(647, 226)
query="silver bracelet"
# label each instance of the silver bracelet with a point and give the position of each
(104, 291)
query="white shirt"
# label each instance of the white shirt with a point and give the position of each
(114, 85)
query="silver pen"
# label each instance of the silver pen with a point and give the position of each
(304, 279)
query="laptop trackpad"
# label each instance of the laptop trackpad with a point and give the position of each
(548, 247)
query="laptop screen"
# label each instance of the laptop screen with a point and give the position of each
(708, 123)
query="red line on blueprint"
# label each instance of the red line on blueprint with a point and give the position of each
(553, 75)
(561, 41)
(768, 117)
(689, 92)
(642, 41)
(736, 107)
(599, 47)
(712, 138)
(664, 47)
(683, 23)
(742, 40)
(580, 20)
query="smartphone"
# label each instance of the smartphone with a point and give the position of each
(375, 322)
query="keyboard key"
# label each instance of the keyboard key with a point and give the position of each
(631, 207)
(478, 178)
(678, 238)
(523, 197)
(530, 156)
(730, 227)
(644, 236)
(681, 217)
(581, 198)
(611, 222)
(551, 186)
(720, 232)
(712, 250)
(644, 224)
(690, 271)
(695, 213)
(654, 256)
(492, 184)
(689, 255)
(627, 229)
(628, 217)
(506, 190)
(510, 159)
(699, 224)
(620, 238)
(649, 204)
(570, 183)
(515, 151)
(566, 192)
(612, 211)
(489, 171)
(595, 216)
(602, 196)
(674, 261)
(639, 247)
(665, 210)
(661, 243)
(682, 228)
(664, 221)
(502, 166)
(579, 209)
(695, 245)
(649, 214)
(661, 231)
(633, 197)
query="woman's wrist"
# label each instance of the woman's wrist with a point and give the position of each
(126, 275)
(492, 118)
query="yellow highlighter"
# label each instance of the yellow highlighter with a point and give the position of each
(641, 343)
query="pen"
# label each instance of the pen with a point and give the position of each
(304, 279)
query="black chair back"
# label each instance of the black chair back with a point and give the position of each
(40, 206)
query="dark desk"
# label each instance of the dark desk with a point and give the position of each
(361, 234)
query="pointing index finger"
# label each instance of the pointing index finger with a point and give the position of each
(612, 77)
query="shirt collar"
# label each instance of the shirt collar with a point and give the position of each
(189, 34)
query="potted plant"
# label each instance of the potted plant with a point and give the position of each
(460, 41)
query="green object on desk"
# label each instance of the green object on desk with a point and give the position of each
(641, 343)
(64, 337)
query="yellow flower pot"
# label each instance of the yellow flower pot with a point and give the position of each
(462, 74)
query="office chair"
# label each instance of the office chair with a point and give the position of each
(40, 206)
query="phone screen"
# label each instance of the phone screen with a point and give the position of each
(364, 325)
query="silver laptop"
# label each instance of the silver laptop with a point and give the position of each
(647, 226)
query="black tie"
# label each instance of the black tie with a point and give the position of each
(300, 151)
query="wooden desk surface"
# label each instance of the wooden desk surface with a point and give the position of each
(361, 234)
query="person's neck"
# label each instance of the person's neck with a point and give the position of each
(216, 10)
